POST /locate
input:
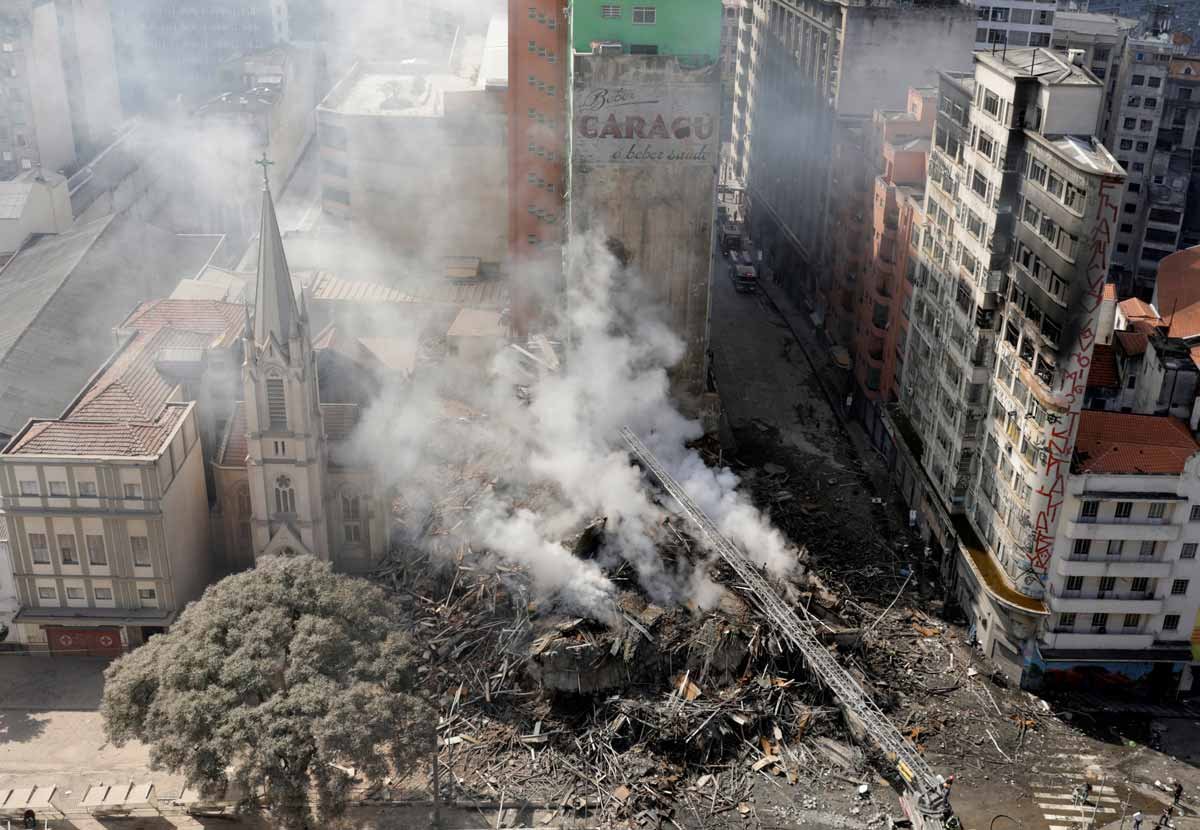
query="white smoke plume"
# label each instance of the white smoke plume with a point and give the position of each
(556, 462)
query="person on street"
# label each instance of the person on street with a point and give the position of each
(1137, 820)
(1165, 819)
(1178, 794)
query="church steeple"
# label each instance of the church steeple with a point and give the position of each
(275, 313)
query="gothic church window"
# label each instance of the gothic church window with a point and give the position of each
(243, 515)
(352, 517)
(285, 495)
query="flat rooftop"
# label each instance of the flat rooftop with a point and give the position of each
(1051, 67)
(1091, 23)
(1084, 153)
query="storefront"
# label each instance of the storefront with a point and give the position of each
(88, 632)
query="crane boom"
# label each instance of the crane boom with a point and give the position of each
(930, 794)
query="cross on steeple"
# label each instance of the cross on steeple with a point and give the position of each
(264, 163)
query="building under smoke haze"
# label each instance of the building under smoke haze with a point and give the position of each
(644, 152)
(810, 76)
(414, 158)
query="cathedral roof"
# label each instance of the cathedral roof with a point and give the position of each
(275, 312)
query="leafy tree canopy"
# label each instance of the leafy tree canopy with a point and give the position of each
(270, 679)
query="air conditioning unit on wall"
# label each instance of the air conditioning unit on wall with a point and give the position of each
(607, 47)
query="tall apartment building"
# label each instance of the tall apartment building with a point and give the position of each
(896, 147)
(36, 130)
(539, 58)
(809, 75)
(1102, 39)
(644, 150)
(1021, 204)
(1139, 106)
(90, 72)
(170, 49)
(1014, 23)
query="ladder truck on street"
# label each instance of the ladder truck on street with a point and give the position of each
(926, 795)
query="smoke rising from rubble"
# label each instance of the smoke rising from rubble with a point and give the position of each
(544, 468)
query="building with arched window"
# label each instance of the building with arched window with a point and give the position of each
(282, 472)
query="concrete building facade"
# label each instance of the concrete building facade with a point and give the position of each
(644, 149)
(1014, 23)
(1032, 198)
(90, 72)
(414, 157)
(809, 75)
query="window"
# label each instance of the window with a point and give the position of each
(1114, 547)
(1134, 187)
(1107, 583)
(991, 101)
(1194, 515)
(285, 495)
(1158, 509)
(140, 546)
(1145, 125)
(1126, 144)
(1074, 583)
(39, 548)
(1150, 103)
(1147, 549)
(1066, 621)
(1139, 585)
(1090, 509)
(87, 489)
(634, 49)
(147, 597)
(102, 594)
(58, 488)
(1188, 551)
(1132, 621)
(1179, 587)
(1138, 80)
(133, 491)
(610, 12)
(644, 14)
(1099, 621)
(1129, 124)
(1124, 508)
(66, 549)
(97, 555)
(1037, 171)
(276, 403)
(280, 448)
(74, 593)
(46, 592)
(1143, 146)
(351, 518)
(999, 15)
(1155, 83)
(1170, 622)
(29, 488)
(979, 184)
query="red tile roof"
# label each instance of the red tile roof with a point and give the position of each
(1132, 343)
(121, 411)
(1123, 443)
(1178, 292)
(1103, 372)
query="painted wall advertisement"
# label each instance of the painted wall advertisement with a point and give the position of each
(647, 124)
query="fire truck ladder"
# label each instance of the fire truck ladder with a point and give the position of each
(927, 788)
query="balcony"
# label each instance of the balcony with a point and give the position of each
(1152, 530)
(1106, 602)
(1127, 567)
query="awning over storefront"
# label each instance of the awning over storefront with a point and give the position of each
(95, 616)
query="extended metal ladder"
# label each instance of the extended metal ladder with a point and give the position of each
(931, 794)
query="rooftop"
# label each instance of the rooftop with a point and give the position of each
(1103, 371)
(1086, 23)
(126, 408)
(1177, 292)
(1084, 153)
(1132, 343)
(410, 88)
(1122, 443)
(1050, 67)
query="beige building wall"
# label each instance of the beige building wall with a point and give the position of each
(47, 90)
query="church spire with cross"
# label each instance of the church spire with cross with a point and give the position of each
(275, 313)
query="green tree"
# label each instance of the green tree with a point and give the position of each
(271, 679)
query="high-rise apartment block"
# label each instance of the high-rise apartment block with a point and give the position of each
(644, 148)
(1020, 213)
(810, 75)
(1017, 23)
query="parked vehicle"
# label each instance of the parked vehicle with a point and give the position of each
(743, 273)
(732, 237)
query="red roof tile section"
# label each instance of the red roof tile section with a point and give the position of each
(1178, 290)
(123, 411)
(1132, 343)
(1123, 443)
(1103, 371)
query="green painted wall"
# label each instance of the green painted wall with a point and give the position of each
(681, 27)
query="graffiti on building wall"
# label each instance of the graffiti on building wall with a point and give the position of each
(1060, 439)
(647, 124)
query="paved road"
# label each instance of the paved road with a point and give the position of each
(761, 371)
